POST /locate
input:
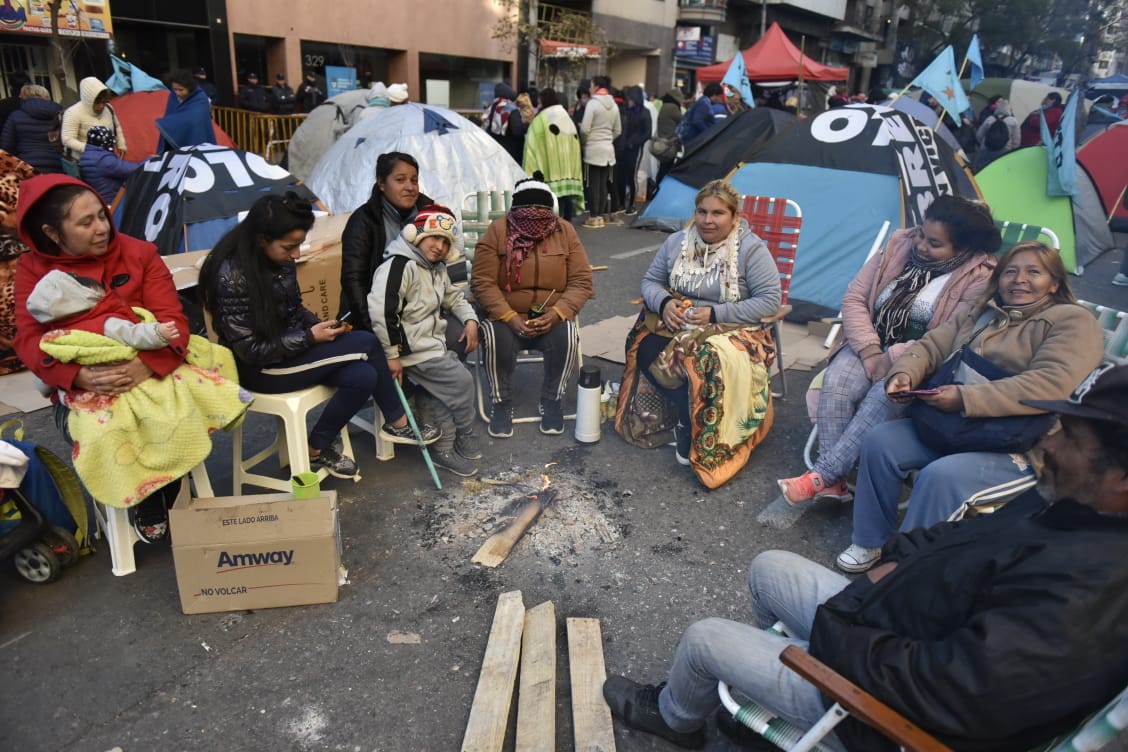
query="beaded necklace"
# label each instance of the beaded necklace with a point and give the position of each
(700, 264)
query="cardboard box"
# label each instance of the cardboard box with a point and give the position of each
(320, 282)
(259, 551)
(319, 279)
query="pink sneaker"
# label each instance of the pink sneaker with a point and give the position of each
(810, 485)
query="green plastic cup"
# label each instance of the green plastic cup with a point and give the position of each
(306, 485)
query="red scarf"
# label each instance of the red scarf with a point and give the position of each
(526, 226)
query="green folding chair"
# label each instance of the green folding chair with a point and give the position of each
(1114, 323)
(1016, 232)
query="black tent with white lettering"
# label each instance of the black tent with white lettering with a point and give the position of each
(186, 200)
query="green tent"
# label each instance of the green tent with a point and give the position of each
(1014, 185)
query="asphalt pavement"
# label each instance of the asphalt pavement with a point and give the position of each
(94, 662)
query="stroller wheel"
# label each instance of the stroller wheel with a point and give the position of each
(62, 544)
(37, 563)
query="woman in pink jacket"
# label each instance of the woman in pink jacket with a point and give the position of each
(925, 276)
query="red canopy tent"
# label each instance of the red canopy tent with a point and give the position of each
(774, 58)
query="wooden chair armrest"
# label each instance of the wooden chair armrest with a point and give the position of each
(859, 703)
(778, 315)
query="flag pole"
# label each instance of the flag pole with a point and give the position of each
(959, 76)
(802, 46)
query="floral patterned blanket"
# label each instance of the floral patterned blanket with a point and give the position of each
(726, 368)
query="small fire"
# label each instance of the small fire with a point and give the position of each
(546, 483)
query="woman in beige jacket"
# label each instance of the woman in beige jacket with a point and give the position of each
(925, 276)
(92, 108)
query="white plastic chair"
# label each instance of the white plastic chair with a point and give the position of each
(120, 535)
(290, 443)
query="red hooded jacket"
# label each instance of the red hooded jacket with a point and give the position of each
(131, 269)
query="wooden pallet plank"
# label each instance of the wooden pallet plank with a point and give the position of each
(536, 700)
(489, 715)
(591, 718)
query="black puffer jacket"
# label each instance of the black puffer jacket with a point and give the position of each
(993, 634)
(363, 244)
(26, 134)
(233, 320)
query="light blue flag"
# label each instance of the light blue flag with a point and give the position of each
(940, 80)
(975, 60)
(1061, 151)
(128, 77)
(142, 81)
(737, 79)
(119, 83)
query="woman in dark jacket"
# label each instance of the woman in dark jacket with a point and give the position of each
(395, 200)
(628, 149)
(669, 116)
(250, 288)
(28, 131)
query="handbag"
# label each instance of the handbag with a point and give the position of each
(953, 432)
(665, 149)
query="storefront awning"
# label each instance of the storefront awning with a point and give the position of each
(550, 48)
(89, 19)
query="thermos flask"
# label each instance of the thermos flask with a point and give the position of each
(588, 414)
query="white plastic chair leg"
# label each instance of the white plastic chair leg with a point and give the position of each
(120, 535)
(120, 538)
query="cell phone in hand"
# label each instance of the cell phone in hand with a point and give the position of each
(919, 392)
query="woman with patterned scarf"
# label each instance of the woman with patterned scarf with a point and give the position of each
(700, 345)
(531, 276)
(925, 276)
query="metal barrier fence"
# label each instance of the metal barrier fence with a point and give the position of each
(263, 134)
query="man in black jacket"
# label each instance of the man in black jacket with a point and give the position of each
(252, 96)
(994, 633)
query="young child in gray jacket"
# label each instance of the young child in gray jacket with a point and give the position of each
(411, 291)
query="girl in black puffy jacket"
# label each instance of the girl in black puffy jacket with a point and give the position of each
(250, 288)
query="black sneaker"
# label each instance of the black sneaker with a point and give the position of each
(501, 420)
(466, 444)
(552, 417)
(404, 434)
(334, 463)
(150, 519)
(637, 706)
(682, 437)
(453, 462)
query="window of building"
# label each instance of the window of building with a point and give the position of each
(467, 78)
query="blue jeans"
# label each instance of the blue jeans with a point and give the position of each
(893, 450)
(785, 587)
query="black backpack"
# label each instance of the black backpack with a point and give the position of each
(997, 135)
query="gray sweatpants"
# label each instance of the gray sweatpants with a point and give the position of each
(449, 399)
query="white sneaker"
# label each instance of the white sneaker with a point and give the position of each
(1120, 280)
(857, 558)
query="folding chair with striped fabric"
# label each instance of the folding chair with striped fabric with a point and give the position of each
(777, 222)
(1114, 322)
(1016, 232)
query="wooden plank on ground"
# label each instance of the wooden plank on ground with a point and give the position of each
(485, 731)
(591, 718)
(536, 700)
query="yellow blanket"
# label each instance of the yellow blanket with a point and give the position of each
(128, 446)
